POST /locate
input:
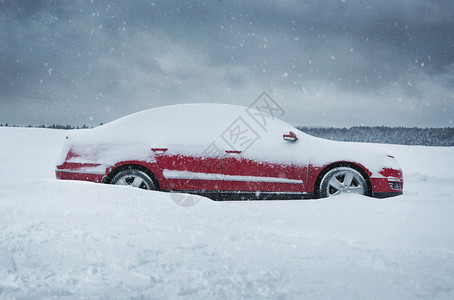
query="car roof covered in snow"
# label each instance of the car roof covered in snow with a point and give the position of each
(200, 123)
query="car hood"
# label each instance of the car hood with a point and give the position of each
(371, 156)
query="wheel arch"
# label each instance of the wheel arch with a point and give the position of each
(339, 164)
(131, 166)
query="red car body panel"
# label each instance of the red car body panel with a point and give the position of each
(230, 172)
(222, 173)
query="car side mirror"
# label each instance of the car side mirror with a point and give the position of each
(291, 137)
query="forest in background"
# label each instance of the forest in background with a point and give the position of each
(386, 135)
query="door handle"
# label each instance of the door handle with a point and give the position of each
(159, 149)
(233, 151)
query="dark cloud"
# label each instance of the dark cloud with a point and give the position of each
(335, 63)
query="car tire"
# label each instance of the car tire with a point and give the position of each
(342, 180)
(134, 178)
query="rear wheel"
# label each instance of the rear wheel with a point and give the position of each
(134, 178)
(342, 180)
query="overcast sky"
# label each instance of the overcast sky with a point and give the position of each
(327, 63)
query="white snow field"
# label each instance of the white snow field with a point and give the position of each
(72, 240)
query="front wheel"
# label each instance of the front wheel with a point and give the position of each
(134, 178)
(342, 180)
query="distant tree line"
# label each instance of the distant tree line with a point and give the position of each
(378, 134)
(386, 135)
(53, 126)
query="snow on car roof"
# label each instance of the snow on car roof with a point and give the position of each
(199, 123)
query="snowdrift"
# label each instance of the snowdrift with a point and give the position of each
(72, 240)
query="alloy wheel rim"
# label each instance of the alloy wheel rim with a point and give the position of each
(133, 181)
(346, 182)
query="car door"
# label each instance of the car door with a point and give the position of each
(267, 169)
(190, 172)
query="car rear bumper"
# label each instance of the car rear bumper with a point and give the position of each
(72, 175)
(81, 171)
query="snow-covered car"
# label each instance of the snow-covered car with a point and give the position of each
(225, 152)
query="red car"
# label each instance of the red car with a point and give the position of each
(225, 152)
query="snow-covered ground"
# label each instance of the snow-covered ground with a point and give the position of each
(76, 240)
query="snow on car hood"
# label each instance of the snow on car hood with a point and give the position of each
(372, 156)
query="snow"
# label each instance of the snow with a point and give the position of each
(110, 154)
(374, 157)
(182, 124)
(72, 240)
